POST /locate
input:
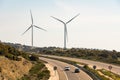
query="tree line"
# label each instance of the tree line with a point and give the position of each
(84, 53)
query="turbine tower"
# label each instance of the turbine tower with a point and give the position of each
(65, 27)
(32, 25)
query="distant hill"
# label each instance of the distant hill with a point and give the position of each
(27, 48)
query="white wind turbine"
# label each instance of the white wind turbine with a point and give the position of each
(32, 25)
(65, 27)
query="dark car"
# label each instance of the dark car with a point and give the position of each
(77, 70)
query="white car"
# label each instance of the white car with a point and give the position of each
(67, 68)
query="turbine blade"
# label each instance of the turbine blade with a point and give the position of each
(58, 19)
(66, 33)
(72, 18)
(31, 16)
(40, 28)
(27, 29)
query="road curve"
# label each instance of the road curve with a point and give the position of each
(100, 65)
(67, 75)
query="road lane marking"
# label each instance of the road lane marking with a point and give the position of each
(64, 72)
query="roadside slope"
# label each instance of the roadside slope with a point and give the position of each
(13, 70)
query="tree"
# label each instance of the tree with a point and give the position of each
(94, 67)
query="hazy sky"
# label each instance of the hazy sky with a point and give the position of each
(98, 25)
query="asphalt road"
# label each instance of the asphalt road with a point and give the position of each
(67, 75)
(100, 65)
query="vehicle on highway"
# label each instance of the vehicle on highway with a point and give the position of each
(67, 68)
(77, 70)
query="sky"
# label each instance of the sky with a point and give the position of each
(97, 26)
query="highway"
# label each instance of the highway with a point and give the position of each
(100, 65)
(67, 75)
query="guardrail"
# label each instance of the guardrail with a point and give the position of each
(93, 76)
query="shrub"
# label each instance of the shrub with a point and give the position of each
(86, 67)
(19, 59)
(34, 58)
(25, 55)
(37, 72)
(45, 74)
(25, 77)
(10, 56)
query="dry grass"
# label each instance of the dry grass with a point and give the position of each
(13, 70)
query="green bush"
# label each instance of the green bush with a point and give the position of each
(37, 68)
(25, 55)
(45, 74)
(25, 77)
(19, 59)
(86, 67)
(10, 56)
(33, 58)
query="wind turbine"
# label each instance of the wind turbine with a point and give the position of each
(65, 27)
(32, 25)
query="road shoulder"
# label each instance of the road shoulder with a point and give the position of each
(53, 74)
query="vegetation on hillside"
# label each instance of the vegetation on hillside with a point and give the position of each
(9, 52)
(110, 74)
(91, 54)
(13, 54)
(84, 53)
(37, 72)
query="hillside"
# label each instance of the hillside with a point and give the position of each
(13, 70)
(19, 65)
(12, 64)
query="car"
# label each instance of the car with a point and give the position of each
(67, 68)
(77, 70)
